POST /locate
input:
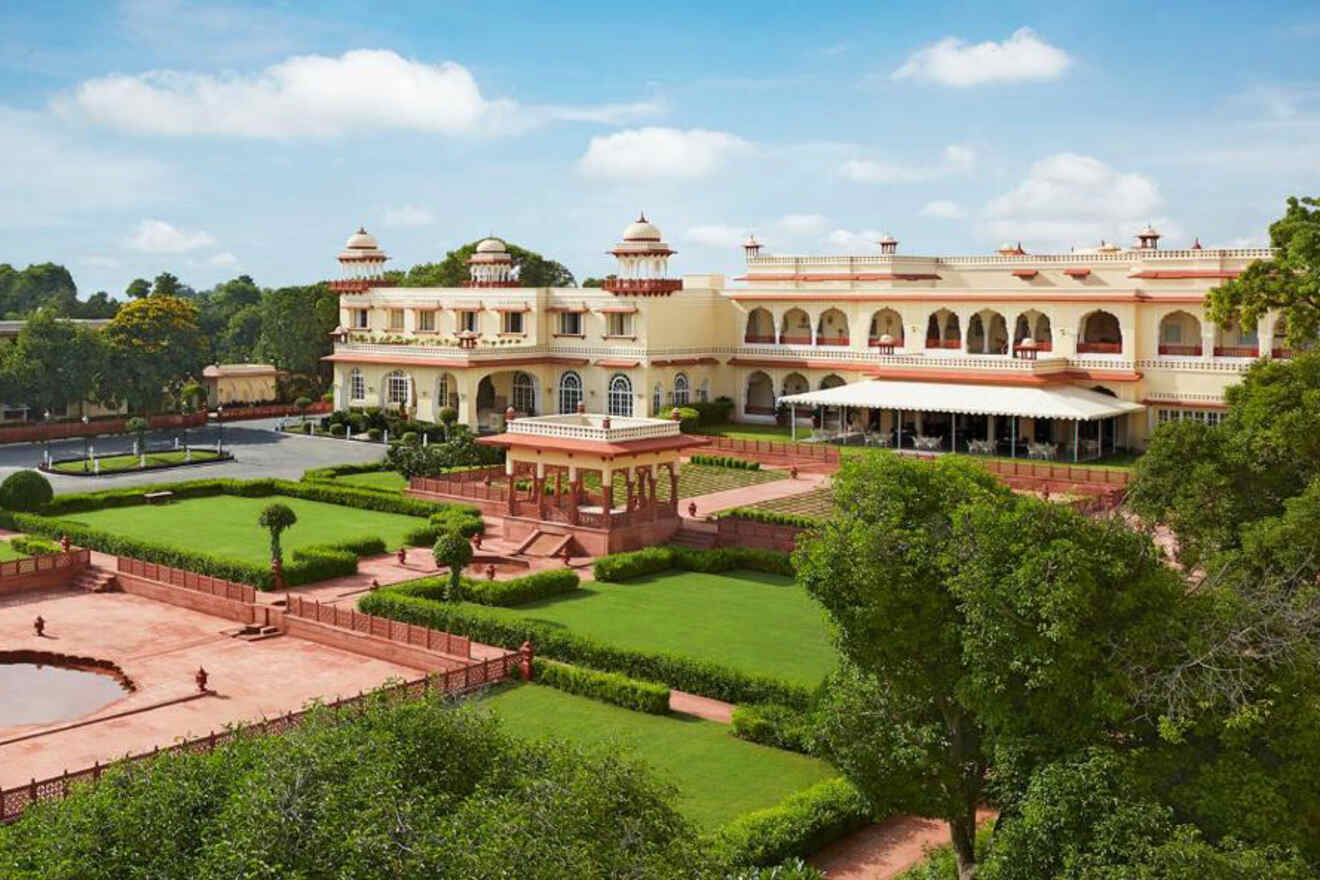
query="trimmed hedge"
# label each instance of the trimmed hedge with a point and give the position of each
(507, 593)
(34, 546)
(607, 687)
(801, 824)
(624, 566)
(25, 490)
(772, 724)
(773, 517)
(695, 676)
(726, 461)
(328, 474)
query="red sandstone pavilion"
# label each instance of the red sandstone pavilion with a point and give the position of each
(559, 479)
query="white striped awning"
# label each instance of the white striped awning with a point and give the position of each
(1051, 402)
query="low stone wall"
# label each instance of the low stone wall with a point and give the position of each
(58, 430)
(42, 572)
(380, 637)
(270, 410)
(153, 582)
(735, 532)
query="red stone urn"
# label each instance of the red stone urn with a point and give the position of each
(476, 540)
(64, 543)
(792, 472)
(526, 654)
(692, 509)
(403, 556)
(201, 678)
(490, 572)
(39, 625)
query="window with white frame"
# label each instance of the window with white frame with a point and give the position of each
(512, 322)
(359, 319)
(467, 321)
(681, 394)
(396, 319)
(570, 392)
(357, 385)
(703, 393)
(1211, 417)
(570, 323)
(657, 399)
(620, 395)
(396, 388)
(619, 324)
(524, 393)
(425, 321)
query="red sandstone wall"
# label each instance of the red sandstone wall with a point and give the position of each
(367, 645)
(37, 580)
(735, 532)
(216, 606)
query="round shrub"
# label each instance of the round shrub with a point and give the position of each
(25, 491)
(689, 419)
(453, 550)
(302, 403)
(337, 429)
(410, 438)
(373, 433)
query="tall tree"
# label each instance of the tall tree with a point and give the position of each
(533, 269)
(977, 628)
(152, 344)
(138, 288)
(1288, 283)
(167, 285)
(54, 363)
(296, 323)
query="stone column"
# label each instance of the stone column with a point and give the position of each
(673, 486)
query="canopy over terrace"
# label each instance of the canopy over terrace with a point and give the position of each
(1037, 417)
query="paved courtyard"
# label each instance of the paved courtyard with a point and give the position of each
(160, 647)
(258, 452)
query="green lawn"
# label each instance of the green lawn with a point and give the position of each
(718, 776)
(817, 503)
(391, 481)
(113, 463)
(226, 525)
(7, 552)
(760, 623)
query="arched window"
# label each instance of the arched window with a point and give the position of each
(703, 393)
(620, 396)
(396, 388)
(357, 385)
(680, 390)
(570, 392)
(760, 395)
(657, 399)
(524, 394)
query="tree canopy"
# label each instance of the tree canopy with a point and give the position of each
(1288, 283)
(47, 286)
(533, 269)
(53, 365)
(152, 344)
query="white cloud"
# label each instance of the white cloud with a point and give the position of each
(363, 90)
(953, 61)
(943, 209)
(1070, 199)
(654, 152)
(409, 215)
(957, 159)
(100, 262)
(715, 235)
(159, 237)
(224, 258)
(848, 240)
(803, 224)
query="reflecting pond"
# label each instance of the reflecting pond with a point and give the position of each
(42, 693)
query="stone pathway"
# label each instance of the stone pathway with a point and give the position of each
(701, 707)
(745, 495)
(886, 849)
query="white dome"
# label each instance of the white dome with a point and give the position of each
(751, 242)
(491, 246)
(1149, 230)
(641, 230)
(362, 241)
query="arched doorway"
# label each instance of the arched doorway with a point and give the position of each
(760, 399)
(796, 328)
(570, 392)
(832, 328)
(1099, 333)
(760, 327)
(1180, 334)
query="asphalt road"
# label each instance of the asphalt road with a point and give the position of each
(258, 452)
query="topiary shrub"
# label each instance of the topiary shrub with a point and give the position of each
(275, 518)
(453, 550)
(337, 429)
(689, 419)
(800, 825)
(373, 433)
(34, 546)
(726, 461)
(25, 491)
(410, 438)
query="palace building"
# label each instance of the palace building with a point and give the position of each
(1083, 351)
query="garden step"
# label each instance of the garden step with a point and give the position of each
(527, 542)
(693, 538)
(95, 580)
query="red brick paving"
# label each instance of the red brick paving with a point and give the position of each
(745, 495)
(886, 849)
(702, 707)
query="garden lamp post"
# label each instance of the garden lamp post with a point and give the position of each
(46, 441)
(86, 443)
(220, 426)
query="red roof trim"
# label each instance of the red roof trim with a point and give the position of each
(855, 276)
(1025, 273)
(685, 362)
(1171, 274)
(607, 362)
(596, 447)
(1181, 404)
(1076, 273)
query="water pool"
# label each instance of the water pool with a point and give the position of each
(46, 692)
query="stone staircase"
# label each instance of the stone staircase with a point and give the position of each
(695, 537)
(94, 579)
(253, 632)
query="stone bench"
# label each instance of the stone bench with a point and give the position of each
(153, 497)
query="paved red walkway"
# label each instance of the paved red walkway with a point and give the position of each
(702, 707)
(745, 495)
(886, 849)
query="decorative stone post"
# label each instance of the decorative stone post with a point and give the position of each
(526, 654)
(490, 571)
(692, 509)
(201, 678)
(277, 569)
(476, 541)
(64, 543)
(39, 625)
(403, 556)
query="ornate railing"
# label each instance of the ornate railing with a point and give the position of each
(49, 562)
(1181, 350)
(188, 580)
(381, 627)
(1099, 348)
(1237, 351)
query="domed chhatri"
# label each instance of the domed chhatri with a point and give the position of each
(643, 259)
(361, 262)
(491, 265)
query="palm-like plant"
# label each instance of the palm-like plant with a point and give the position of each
(275, 518)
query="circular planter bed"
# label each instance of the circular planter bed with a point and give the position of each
(163, 459)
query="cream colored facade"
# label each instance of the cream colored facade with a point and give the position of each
(1129, 321)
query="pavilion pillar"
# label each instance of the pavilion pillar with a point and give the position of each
(990, 429)
(1012, 436)
(511, 474)
(899, 444)
(574, 499)
(651, 475)
(953, 432)
(673, 486)
(1077, 436)
(607, 489)
(628, 475)
(792, 421)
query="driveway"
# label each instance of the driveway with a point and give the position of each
(258, 452)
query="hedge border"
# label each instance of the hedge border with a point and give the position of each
(798, 826)
(687, 674)
(726, 461)
(618, 567)
(649, 697)
(504, 594)
(772, 724)
(773, 517)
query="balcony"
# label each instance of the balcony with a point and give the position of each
(943, 343)
(759, 339)
(1178, 350)
(643, 286)
(1235, 351)
(832, 340)
(1099, 348)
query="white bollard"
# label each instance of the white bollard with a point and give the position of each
(426, 439)
(96, 465)
(187, 454)
(387, 436)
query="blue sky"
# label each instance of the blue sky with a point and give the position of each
(211, 139)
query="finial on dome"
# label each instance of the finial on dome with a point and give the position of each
(641, 216)
(1196, 245)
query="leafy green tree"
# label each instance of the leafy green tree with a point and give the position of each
(98, 305)
(977, 629)
(53, 363)
(599, 282)
(275, 518)
(453, 550)
(1288, 283)
(1207, 483)
(138, 288)
(296, 323)
(533, 269)
(167, 285)
(152, 344)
